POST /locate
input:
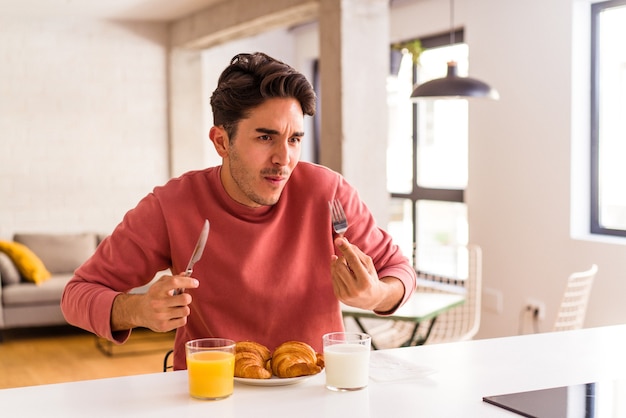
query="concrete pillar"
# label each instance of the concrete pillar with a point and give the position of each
(188, 136)
(354, 63)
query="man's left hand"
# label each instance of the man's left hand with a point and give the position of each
(356, 282)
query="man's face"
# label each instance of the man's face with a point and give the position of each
(260, 159)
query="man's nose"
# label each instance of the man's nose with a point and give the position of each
(281, 154)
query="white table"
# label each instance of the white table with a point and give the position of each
(423, 306)
(460, 375)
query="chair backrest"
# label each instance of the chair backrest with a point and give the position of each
(460, 323)
(571, 314)
(167, 364)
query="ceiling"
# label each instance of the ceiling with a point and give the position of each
(151, 10)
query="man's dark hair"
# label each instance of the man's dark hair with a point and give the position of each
(248, 81)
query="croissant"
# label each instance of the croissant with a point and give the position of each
(295, 358)
(252, 360)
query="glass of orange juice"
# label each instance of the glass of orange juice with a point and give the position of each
(210, 367)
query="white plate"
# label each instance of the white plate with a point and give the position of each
(273, 381)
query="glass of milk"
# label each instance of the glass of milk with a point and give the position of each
(347, 360)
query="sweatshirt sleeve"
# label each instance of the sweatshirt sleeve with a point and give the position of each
(129, 258)
(375, 242)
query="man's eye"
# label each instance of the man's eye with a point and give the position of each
(265, 138)
(295, 140)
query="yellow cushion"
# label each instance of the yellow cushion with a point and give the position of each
(28, 264)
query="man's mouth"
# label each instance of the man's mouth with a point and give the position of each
(275, 179)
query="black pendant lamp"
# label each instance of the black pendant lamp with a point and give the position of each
(452, 86)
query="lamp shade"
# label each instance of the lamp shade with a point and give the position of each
(452, 87)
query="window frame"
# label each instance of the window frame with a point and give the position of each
(425, 193)
(595, 225)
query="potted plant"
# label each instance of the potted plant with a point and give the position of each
(413, 47)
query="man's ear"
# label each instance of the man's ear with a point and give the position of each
(220, 140)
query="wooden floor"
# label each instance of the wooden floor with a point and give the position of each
(61, 354)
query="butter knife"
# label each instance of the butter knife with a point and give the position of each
(197, 252)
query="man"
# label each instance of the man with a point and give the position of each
(269, 272)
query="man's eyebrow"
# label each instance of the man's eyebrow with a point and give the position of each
(268, 131)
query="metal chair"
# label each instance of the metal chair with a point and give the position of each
(571, 314)
(458, 324)
(166, 361)
(461, 323)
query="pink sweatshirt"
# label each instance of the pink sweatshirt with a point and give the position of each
(264, 275)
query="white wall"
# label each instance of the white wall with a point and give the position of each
(522, 160)
(83, 123)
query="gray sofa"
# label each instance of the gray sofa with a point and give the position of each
(25, 304)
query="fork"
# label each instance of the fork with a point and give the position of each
(339, 220)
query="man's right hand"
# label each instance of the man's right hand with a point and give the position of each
(159, 309)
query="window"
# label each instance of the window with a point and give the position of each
(608, 118)
(427, 160)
